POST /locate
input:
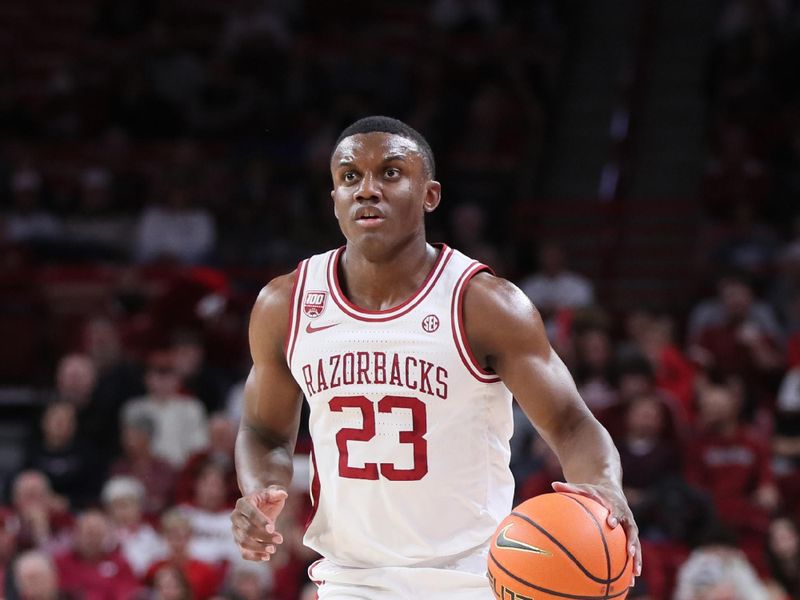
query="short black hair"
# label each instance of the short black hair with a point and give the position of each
(396, 127)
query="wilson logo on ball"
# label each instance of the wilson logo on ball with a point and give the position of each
(430, 323)
(314, 304)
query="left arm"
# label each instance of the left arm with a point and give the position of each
(506, 333)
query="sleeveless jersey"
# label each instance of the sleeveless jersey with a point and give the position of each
(410, 460)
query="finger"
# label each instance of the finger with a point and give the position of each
(277, 494)
(634, 545)
(247, 543)
(251, 513)
(255, 526)
(614, 517)
(269, 496)
(256, 556)
(251, 537)
(581, 490)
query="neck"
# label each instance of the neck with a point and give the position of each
(382, 283)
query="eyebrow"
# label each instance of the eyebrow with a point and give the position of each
(389, 157)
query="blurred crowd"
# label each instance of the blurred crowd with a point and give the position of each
(161, 160)
(201, 131)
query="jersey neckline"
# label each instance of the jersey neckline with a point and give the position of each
(401, 309)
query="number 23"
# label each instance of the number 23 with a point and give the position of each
(415, 437)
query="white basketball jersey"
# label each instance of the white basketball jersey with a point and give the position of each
(410, 434)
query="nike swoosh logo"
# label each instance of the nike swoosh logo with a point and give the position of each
(312, 329)
(503, 541)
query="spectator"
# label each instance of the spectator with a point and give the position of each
(673, 373)
(28, 221)
(35, 578)
(635, 378)
(92, 568)
(209, 515)
(138, 461)
(246, 582)
(180, 421)
(200, 379)
(718, 573)
(594, 368)
(204, 579)
(648, 456)
(69, 462)
(77, 384)
(176, 231)
(783, 555)
(728, 461)
(222, 438)
(43, 517)
(117, 379)
(76, 379)
(735, 302)
(140, 544)
(738, 342)
(170, 583)
(553, 287)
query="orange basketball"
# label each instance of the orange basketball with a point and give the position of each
(558, 546)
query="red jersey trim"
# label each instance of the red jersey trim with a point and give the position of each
(361, 314)
(459, 333)
(294, 319)
(318, 582)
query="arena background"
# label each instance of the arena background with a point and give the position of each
(634, 165)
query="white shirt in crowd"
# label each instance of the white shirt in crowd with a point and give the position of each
(141, 547)
(181, 425)
(565, 290)
(186, 235)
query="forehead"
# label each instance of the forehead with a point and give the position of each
(374, 145)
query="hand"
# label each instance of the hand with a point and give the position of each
(768, 497)
(253, 522)
(618, 514)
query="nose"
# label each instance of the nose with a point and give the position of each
(369, 189)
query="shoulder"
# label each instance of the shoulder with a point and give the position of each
(494, 296)
(276, 295)
(271, 315)
(500, 318)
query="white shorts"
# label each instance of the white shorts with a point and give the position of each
(398, 583)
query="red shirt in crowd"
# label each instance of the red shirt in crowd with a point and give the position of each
(731, 468)
(203, 578)
(109, 578)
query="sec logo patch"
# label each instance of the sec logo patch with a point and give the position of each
(430, 323)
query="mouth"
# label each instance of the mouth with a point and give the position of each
(369, 217)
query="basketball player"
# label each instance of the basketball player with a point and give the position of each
(408, 354)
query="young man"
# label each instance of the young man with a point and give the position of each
(408, 354)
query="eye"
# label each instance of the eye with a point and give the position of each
(392, 172)
(349, 176)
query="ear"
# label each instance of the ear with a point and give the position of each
(433, 196)
(335, 214)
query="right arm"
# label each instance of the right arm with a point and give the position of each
(268, 429)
